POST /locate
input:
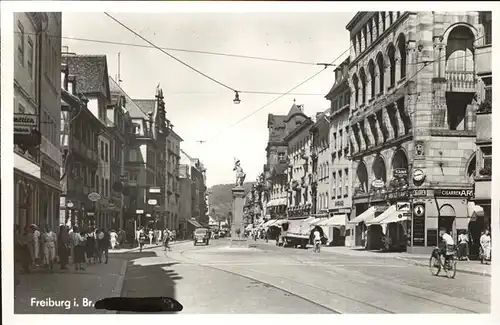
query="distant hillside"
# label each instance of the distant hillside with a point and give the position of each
(221, 198)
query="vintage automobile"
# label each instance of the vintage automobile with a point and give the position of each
(201, 236)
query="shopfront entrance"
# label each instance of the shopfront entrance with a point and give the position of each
(446, 220)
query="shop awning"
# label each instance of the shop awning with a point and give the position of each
(317, 221)
(249, 227)
(309, 219)
(474, 211)
(365, 216)
(268, 223)
(377, 221)
(195, 223)
(278, 223)
(394, 217)
(335, 221)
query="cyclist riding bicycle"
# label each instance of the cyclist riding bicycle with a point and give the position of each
(317, 238)
(447, 245)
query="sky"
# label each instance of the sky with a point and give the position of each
(200, 109)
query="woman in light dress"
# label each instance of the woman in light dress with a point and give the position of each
(150, 236)
(36, 243)
(113, 238)
(49, 241)
(485, 241)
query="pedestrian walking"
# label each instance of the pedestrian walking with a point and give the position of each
(79, 249)
(485, 242)
(166, 240)
(63, 246)
(36, 244)
(104, 243)
(463, 246)
(150, 234)
(90, 246)
(142, 238)
(49, 242)
(19, 254)
(160, 233)
(29, 242)
(113, 238)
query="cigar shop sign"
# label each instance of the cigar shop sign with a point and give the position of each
(25, 123)
(454, 193)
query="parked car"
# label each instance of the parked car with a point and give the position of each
(201, 236)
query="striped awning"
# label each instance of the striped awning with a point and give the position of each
(378, 220)
(365, 216)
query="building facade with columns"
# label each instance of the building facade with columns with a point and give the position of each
(480, 208)
(340, 171)
(413, 84)
(300, 175)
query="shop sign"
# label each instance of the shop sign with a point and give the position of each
(403, 206)
(152, 202)
(339, 203)
(139, 211)
(398, 195)
(454, 193)
(419, 225)
(94, 196)
(25, 123)
(344, 211)
(400, 172)
(419, 193)
(378, 183)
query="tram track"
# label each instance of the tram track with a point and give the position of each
(288, 292)
(381, 286)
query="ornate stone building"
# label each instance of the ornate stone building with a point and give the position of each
(300, 176)
(480, 210)
(320, 164)
(413, 84)
(275, 189)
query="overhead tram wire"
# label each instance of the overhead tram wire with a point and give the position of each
(170, 55)
(280, 96)
(362, 39)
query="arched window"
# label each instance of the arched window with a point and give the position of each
(460, 50)
(402, 54)
(362, 77)
(381, 70)
(355, 82)
(391, 53)
(379, 169)
(371, 72)
(400, 160)
(362, 175)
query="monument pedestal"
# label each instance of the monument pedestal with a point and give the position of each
(237, 225)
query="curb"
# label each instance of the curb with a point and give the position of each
(136, 249)
(419, 263)
(117, 290)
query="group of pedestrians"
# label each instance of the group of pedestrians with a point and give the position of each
(157, 236)
(484, 246)
(35, 247)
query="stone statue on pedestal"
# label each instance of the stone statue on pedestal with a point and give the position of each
(240, 174)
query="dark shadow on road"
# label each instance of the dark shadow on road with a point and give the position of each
(154, 280)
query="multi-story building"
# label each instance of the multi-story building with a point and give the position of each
(37, 98)
(185, 199)
(413, 83)
(275, 169)
(146, 165)
(117, 124)
(340, 171)
(481, 168)
(300, 178)
(320, 164)
(79, 147)
(173, 178)
(197, 174)
(91, 75)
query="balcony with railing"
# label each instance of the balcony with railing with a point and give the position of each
(461, 81)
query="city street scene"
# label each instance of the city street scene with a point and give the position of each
(253, 163)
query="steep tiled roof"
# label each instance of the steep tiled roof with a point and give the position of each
(91, 73)
(294, 110)
(147, 105)
(276, 120)
(132, 108)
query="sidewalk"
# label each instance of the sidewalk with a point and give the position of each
(76, 290)
(145, 248)
(471, 267)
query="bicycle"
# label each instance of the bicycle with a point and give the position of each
(317, 247)
(449, 266)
